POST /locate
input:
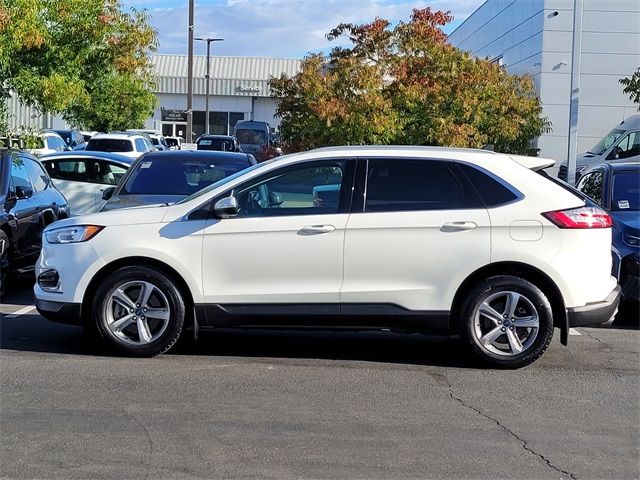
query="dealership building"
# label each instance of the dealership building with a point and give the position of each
(537, 37)
(238, 90)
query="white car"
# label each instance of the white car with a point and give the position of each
(129, 144)
(408, 238)
(50, 142)
(83, 177)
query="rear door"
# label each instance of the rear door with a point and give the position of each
(417, 230)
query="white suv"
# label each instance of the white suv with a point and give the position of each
(407, 238)
(128, 144)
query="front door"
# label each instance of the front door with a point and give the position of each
(420, 229)
(285, 245)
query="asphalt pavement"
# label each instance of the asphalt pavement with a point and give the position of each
(298, 405)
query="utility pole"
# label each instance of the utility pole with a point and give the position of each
(574, 100)
(189, 138)
(206, 77)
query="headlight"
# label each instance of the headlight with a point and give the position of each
(75, 234)
(631, 240)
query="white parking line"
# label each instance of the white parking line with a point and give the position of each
(573, 331)
(22, 311)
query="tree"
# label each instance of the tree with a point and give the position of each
(78, 58)
(632, 86)
(405, 85)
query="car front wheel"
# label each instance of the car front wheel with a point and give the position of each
(139, 310)
(507, 321)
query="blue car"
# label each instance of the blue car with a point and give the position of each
(617, 188)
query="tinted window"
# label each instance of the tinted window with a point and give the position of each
(225, 145)
(404, 185)
(65, 134)
(591, 185)
(37, 175)
(308, 189)
(251, 137)
(168, 175)
(19, 174)
(74, 170)
(110, 145)
(626, 191)
(628, 147)
(493, 193)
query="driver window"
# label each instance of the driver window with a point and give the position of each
(628, 147)
(308, 189)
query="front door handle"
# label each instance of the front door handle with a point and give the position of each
(457, 226)
(316, 229)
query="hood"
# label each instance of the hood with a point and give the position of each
(627, 222)
(128, 201)
(140, 215)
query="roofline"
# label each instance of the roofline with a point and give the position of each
(465, 20)
(226, 56)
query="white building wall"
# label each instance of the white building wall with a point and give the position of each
(536, 37)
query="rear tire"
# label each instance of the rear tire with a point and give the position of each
(139, 310)
(507, 321)
(5, 262)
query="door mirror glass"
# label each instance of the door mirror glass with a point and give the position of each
(23, 192)
(107, 193)
(226, 207)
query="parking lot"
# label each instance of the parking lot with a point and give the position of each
(312, 405)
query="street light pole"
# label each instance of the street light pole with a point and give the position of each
(189, 138)
(206, 79)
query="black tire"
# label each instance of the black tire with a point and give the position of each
(167, 331)
(5, 261)
(532, 303)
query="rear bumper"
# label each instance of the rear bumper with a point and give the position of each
(60, 312)
(595, 313)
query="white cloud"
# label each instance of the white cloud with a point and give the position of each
(277, 28)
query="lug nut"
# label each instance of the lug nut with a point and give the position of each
(135, 318)
(144, 309)
(131, 310)
(503, 329)
(138, 305)
(511, 328)
(499, 322)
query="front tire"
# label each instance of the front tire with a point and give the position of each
(139, 310)
(507, 321)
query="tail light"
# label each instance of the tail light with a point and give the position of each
(581, 217)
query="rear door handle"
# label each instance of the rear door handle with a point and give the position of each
(457, 226)
(316, 229)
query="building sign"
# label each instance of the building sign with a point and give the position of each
(248, 88)
(169, 115)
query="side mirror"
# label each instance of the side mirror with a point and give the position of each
(23, 192)
(226, 207)
(107, 193)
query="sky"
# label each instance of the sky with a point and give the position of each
(276, 28)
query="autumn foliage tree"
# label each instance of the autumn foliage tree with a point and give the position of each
(85, 59)
(405, 85)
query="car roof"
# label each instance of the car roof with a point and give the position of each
(197, 154)
(631, 122)
(90, 154)
(216, 137)
(116, 136)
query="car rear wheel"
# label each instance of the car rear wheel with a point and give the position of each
(139, 310)
(5, 250)
(507, 321)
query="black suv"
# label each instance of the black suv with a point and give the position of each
(28, 203)
(73, 138)
(226, 143)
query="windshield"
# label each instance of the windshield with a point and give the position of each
(626, 191)
(611, 138)
(221, 182)
(251, 137)
(168, 175)
(109, 145)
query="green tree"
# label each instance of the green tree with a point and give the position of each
(78, 58)
(632, 86)
(406, 85)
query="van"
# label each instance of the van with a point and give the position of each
(620, 144)
(254, 137)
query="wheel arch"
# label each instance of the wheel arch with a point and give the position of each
(525, 271)
(138, 261)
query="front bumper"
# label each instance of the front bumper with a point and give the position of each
(595, 313)
(60, 312)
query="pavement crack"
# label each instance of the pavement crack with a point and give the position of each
(593, 337)
(149, 439)
(522, 441)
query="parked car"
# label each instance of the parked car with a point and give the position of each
(28, 203)
(622, 144)
(225, 143)
(83, 176)
(49, 142)
(88, 135)
(616, 187)
(175, 143)
(72, 138)
(166, 177)
(421, 239)
(128, 144)
(159, 142)
(254, 137)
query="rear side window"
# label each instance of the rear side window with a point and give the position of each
(72, 170)
(109, 145)
(405, 185)
(493, 192)
(591, 185)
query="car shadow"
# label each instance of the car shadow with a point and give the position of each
(20, 289)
